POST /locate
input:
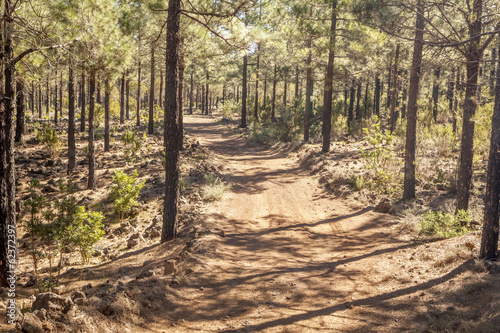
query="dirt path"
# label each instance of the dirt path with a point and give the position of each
(294, 259)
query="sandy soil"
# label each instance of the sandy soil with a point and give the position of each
(293, 259)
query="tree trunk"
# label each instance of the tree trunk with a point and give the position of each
(127, 97)
(308, 109)
(451, 91)
(39, 100)
(273, 106)
(264, 97)
(160, 98)
(365, 106)
(107, 93)
(394, 91)
(207, 91)
(181, 100)
(20, 116)
(71, 122)
(122, 100)
(82, 110)
(55, 101)
(91, 185)
(256, 107)
(32, 97)
(328, 94)
(464, 181)
(171, 131)
(285, 89)
(191, 91)
(455, 106)
(489, 240)
(151, 124)
(350, 114)
(376, 97)
(202, 99)
(138, 111)
(296, 81)
(244, 94)
(47, 96)
(493, 71)
(8, 227)
(389, 86)
(61, 94)
(411, 124)
(435, 93)
(358, 101)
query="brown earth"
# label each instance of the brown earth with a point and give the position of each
(279, 253)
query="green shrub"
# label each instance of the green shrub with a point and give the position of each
(85, 231)
(49, 137)
(133, 144)
(444, 225)
(357, 182)
(125, 192)
(382, 160)
(213, 188)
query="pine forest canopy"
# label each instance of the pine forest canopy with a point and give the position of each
(316, 70)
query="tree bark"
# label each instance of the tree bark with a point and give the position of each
(489, 240)
(61, 94)
(171, 131)
(411, 124)
(82, 110)
(91, 184)
(207, 91)
(376, 97)
(122, 99)
(127, 97)
(296, 81)
(181, 101)
(350, 113)
(256, 107)
(8, 226)
(107, 93)
(160, 98)
(244, 94)
(328, 93)
(151, 124)
(394, 98)
(470, 105)
(358, 101)
(308, 109)
(435, 93)
(55, 100)
(39, 100)
(71, 122)
(20, 115)
(273, 106)
(138, 110)
(191, 91)
(455, 105)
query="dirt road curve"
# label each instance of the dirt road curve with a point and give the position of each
(294, 259)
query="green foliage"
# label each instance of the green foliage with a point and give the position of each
(357, 183)
(229, 109)
(125, 192)
(85, 231)
(213, 187)
(49, 137)
(133, 144)
(444, 225)
(382, 160)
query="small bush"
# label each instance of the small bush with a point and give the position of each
(213, 188)
(86, 230)
(444, 225)
(382, 160)
(133, 143)
(49, 137)
(357, 183)
(125, 192)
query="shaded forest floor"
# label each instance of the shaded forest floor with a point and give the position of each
(279, 253)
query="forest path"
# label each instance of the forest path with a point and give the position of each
(293, 259)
